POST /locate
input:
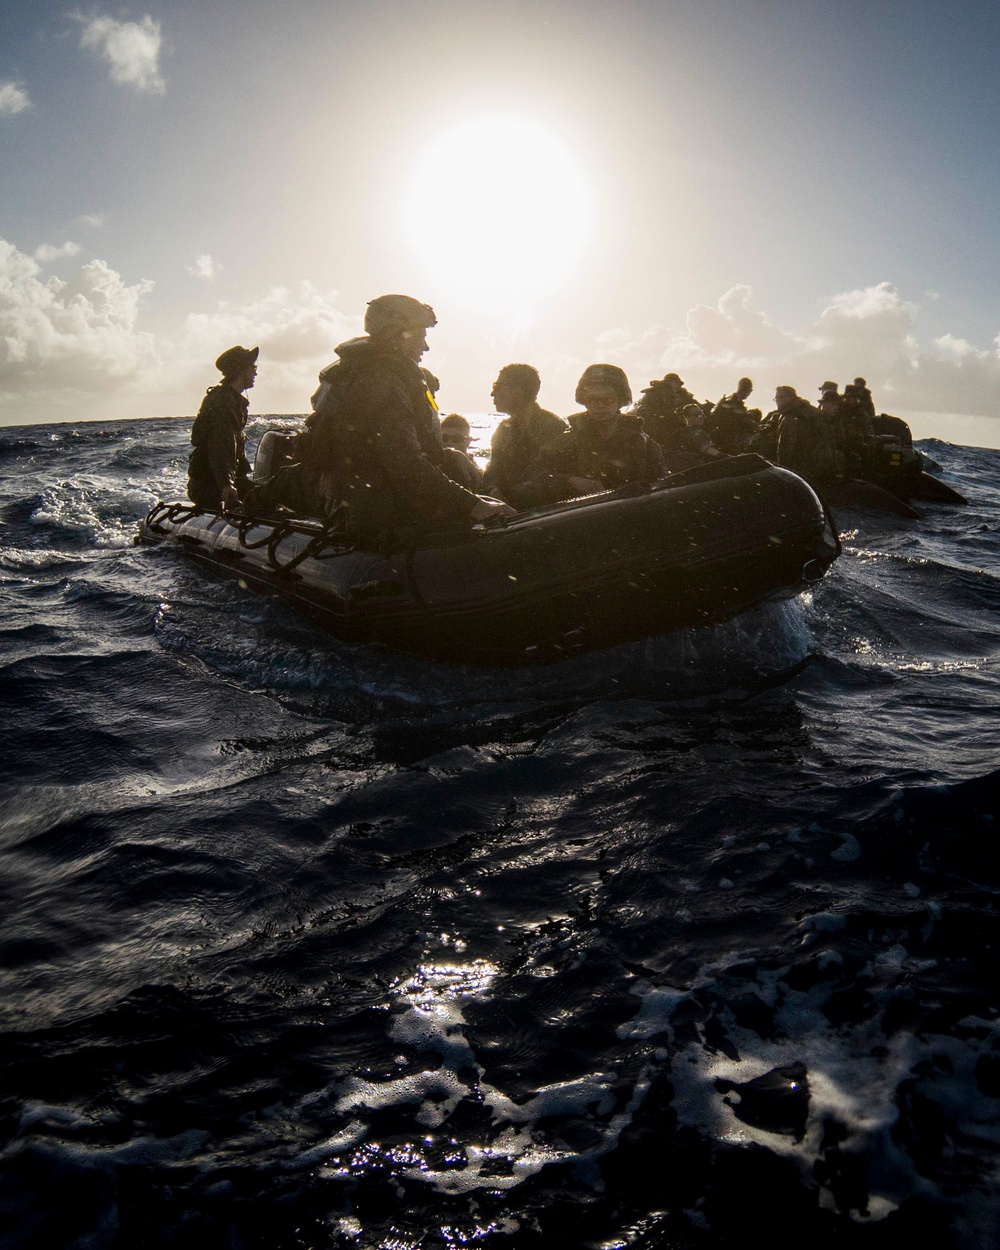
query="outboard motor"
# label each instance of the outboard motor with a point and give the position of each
(276, 449)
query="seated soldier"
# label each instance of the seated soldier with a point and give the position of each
(456, 435)
(518, 439)
(218, 471)
(697, 439)
(831, 406)
(732, 425)
(372, 446)
(603, 448)
(660, 408)
(828, 391)
(859, 442)
(861, 387)
(804, 443)
(856, 415)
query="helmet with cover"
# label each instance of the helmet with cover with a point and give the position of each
(604, 377)
(391, 314)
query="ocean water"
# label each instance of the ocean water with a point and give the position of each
(305, 945)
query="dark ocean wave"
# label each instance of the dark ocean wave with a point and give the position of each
(684, 944)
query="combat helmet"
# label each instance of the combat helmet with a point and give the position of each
(390, 313)
(610, 376)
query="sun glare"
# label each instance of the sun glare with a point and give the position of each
(499, 213)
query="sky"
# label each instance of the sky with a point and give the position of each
(795, 190)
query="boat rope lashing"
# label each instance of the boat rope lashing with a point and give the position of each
(170, 512)
(279, 535)
(310, 549)
(280, 531)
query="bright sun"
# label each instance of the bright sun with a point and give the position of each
(499, 213)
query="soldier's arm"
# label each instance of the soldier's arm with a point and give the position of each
(401, 455)
(493, 474)
(548, 478)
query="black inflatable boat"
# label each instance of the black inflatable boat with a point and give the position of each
(579, 576)
(896, 466)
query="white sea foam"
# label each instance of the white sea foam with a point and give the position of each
(100, 511)
(432, 1019)
(848, 1083)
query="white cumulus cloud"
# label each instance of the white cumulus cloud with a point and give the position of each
(131, 49)
(76, 336)
(204, 266)
(870, 331)
(295, 328)
(48, 252)
(13, 99)
(76, 348)
(733, 332)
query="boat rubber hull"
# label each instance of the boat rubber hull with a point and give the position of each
(581, 576)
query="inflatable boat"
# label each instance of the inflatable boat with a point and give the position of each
(584, 575)
(897, 467)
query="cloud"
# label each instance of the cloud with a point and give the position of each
(95, 220)
(718, 341)
(295, 328)
(49, 252)
(59, 338)
(870, 331)
(13, 99)
(953, 348)
(132, 49)
(76, 347)
(204, 266)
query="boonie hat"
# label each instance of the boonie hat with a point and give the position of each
(235, 359)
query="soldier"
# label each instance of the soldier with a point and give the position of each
(866, 396)
(859, 429)
(519, 438)
(832, 406)
(218, 471)
(456, 432)
(804, 443)
(603, 448)
(456, 435)
(697, 440)
(661, 407)
(373, 442)
(731, 424)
